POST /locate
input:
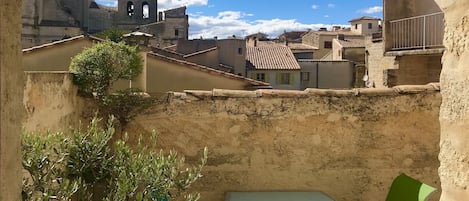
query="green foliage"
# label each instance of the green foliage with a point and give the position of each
(98, 67)
(62, 168)
(113, 34)
(125, 104)
(45, 159)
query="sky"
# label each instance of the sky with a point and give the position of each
(223, 18)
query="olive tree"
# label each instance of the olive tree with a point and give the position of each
(69, 166)
(97, 68)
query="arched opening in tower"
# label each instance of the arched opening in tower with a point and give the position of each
(146, 10)
(130, 9)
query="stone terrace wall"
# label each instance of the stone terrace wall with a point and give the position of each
(348, 144)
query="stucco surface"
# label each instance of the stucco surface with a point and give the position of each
(349, 144)
(454, 155)
(52, 103)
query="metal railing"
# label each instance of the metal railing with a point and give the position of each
(420, 32)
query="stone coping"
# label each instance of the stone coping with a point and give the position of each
(273, 93)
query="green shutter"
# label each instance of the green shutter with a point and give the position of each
(292, 78)
(253, 75)
(267, 77)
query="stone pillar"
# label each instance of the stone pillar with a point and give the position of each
(11, 93)
(454, 113)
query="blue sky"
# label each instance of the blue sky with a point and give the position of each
(222, 18)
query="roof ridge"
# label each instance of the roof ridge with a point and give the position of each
(208, 69)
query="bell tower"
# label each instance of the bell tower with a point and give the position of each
(132, 13)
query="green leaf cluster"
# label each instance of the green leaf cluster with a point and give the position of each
(71, 166)
(98, 67)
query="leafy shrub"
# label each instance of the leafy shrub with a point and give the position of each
(98, 67)
(62, 167)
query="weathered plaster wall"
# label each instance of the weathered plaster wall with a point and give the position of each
(11, 112)
(349, 144)
(454, 155)
(52, 104)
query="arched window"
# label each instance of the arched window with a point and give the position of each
(130, 8)
(146, 10)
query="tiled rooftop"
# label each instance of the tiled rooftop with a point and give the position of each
(271, 57)
(209, 70)
(301, 46)
(351, 43)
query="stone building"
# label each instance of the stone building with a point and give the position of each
(413, 36)
(45, 21)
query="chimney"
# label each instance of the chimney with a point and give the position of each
(341, 37)
(336, 28)
(160, 16)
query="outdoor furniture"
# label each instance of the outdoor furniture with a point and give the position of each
(277, 196)
(405, 188)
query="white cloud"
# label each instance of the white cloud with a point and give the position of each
(326, 16)
(371, 10)
(314, 7)
(230, 23)
(167, 4)
(331, 5)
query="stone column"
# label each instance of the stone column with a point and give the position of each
(454, 113)
(11, 98)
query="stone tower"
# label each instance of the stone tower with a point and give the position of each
(132, 13)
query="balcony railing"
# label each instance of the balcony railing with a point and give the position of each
(420, 32)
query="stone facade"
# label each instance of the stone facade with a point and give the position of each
(376, 63)
(46, 21)
(11, 110)
(454, 154)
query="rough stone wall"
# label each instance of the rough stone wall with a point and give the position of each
(415, 69)
(11, 112)
(348, 144)
(454, 155)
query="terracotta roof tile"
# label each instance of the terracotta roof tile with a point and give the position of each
(209, 70)
(272, 57)
(351, 43)
(301, 46)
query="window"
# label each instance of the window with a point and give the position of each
(304, 76)
(328, 44)
(283, 78)
(145, 10)
(260, 77)
(370, 25)
(130, 9)
(356, 26)
(176, 32)
(240, 51)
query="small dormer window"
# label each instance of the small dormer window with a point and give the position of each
(370, 25)
(130, 9)
(356, 26)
